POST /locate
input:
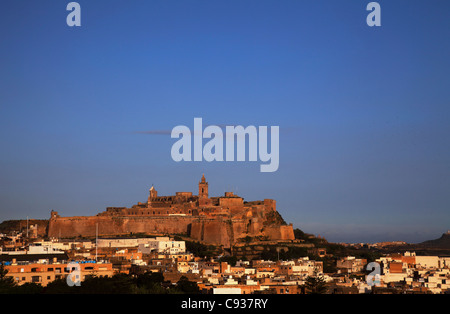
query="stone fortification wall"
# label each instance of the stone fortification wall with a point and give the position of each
(218, 231)
(86, 225)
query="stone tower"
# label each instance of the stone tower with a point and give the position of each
(203, 188)
(203, 198)
(152, 194)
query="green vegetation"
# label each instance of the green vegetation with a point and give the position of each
(275, 217)
(6, 283)
(329, 263)
(274, 253)
(337, 250)
(231, 260)
(185, 286)
(308, 238)
(315, 284)
(8, 226)
(201, 250)
(300, 235)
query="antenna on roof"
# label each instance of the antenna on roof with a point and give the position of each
(96, 240)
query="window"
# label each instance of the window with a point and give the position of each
(35, 278)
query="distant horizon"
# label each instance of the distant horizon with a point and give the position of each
(328, 231)
(310, 227)
(316, 229)
(431, 236)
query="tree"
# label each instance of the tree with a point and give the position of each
(299, 234)
(315, 284)
(7, 283)
(29, 288)
(150, 283)
(199, 249)
(232, 260)
(59, 286)
(186, 286)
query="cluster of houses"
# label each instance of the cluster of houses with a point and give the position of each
(45, 261)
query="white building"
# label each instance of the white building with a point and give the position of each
(105, 243)
(230, 281)
(163, 245)
(226, 290)
(43, 248)
(427, 261)
(250, 282)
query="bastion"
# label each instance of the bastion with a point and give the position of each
(222, 220)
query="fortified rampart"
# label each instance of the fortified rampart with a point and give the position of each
(216, 220)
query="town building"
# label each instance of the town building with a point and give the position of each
(163, 245)
(45, 271)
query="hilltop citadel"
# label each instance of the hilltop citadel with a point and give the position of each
(219, 220)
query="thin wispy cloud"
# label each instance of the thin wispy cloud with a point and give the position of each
(154, 132)
(284, 130)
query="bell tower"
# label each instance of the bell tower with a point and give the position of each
(203, 188)
(152, 195)
(153, 192)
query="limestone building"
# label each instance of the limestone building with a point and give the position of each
(218, 220)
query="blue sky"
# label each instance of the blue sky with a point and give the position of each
(363, 112)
